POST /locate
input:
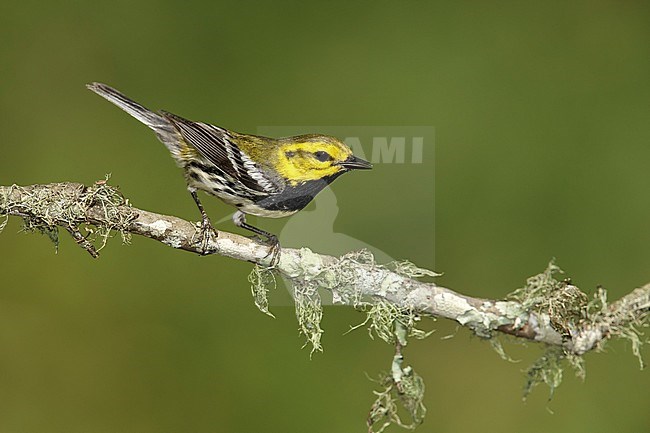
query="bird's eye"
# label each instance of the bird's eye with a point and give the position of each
(290, 154)
(323, 156)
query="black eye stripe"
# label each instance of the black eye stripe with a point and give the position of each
(323, 156)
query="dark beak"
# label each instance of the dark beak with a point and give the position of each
(355, 163)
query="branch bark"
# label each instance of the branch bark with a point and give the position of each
(71, 205)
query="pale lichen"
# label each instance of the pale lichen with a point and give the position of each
(408, 269)
(262, 280)
(484, 321)
(547, 369)
(305, 276)
(383, 317)
(559, 308)
(115, 210)
(583, 324)
(622, 320)
(407, 394)
(562, 302)
(402, 391)
(43, 209)
(309, 313)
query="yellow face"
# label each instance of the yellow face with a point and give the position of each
(305, 158)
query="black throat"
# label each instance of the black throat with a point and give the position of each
(295, 198)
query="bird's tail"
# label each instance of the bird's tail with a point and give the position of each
(148, 117)
(161, 126)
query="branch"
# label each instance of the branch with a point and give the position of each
(546, 310)
(70, 205)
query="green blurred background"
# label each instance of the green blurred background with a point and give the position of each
(541, 150)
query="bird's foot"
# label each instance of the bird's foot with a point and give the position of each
(205, 231)
(272, 242)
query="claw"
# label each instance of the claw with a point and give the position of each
(274, 250)
(205, 232)
(274, 247)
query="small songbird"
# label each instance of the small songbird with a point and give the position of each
(260, 176)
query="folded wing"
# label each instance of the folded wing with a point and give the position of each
(216, 145)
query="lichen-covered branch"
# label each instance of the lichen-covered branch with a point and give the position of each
(546, 310)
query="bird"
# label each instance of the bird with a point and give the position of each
(260, 176)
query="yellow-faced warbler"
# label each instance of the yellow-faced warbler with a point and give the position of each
(260, 176)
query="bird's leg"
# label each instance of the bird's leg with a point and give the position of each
(239, 218)
(206, 226)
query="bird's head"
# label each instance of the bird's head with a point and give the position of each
(313, 157)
